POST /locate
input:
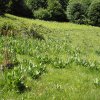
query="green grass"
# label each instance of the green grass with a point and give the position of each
(69, 55)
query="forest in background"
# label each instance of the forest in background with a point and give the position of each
(77, 11)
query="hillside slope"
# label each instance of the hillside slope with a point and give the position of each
(69, 54)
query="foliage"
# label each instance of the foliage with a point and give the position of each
(64, 3)
(94, 13)
(56, 11)
(76, 12)
(4, 5)
(42, 14)
(36, 4)
(24, 10)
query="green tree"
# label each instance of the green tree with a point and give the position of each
(76, 12)
(20, 8)
(64, 3)
(36, 4)
(56, 11)
(42, 14)
(94, 13)
(4, 5)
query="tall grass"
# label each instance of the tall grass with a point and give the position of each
(55, 60)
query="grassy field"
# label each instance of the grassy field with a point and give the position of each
(58, 61)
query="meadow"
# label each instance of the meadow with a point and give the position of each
(42, 60)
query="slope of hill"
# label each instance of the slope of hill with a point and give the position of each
(56, 61)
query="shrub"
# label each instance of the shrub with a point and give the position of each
(42, 14)
(94, 13)
(32, 31)
(76, 12)
(13, 80)
(8, 28)
(56, 11)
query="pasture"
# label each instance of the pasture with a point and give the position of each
(50, 60)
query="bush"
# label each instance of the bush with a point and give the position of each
(6, 29)
(76, 12)
(13, 80)
(94, 13)
(42, 14)
(56, 11)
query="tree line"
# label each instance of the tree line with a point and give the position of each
(77, 11)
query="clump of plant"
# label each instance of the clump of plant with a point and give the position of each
(98, 52)
(9, 29)
(17, 78)
(97, 82)
(9, 55)
(32, 31)
(59, 63)
(44, 59)
(86, 63)
(34, 70)
(14, 80)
